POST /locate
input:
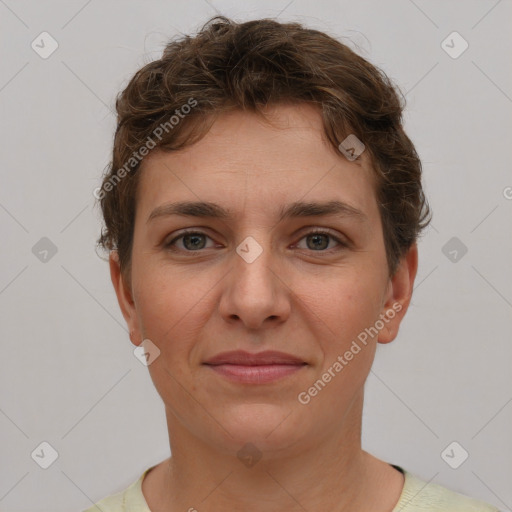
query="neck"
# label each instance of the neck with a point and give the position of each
(330, 473)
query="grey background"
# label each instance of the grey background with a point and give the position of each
(68, 375)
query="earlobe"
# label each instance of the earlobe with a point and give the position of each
(399, 295)
(124, 298)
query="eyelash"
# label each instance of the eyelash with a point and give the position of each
(170, 245)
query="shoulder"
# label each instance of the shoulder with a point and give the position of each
(114, 503)
(130, 499)
(421, 496)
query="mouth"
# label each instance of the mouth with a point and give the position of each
(259, 368)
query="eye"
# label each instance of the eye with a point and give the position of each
(194, 241)
(191, 241)
(319, 241)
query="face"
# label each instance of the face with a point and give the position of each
(261, 269)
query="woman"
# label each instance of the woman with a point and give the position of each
(235, 155)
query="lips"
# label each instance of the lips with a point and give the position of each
(259, 368)
(269, 357)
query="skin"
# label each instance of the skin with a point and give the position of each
(307, 301)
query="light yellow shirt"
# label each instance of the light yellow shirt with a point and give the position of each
(417, 496)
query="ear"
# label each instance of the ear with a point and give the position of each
(124, 298)
(398, 296)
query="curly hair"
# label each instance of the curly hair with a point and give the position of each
(248, 66)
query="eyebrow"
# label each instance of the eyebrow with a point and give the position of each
(298, 209)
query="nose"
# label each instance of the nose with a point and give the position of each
(255, 291)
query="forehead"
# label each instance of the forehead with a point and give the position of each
(260, 162)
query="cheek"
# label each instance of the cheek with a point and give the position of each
(163, 295)
(347, 308)
(172, 309)
(342, 304)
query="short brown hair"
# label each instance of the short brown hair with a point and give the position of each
(247, 66)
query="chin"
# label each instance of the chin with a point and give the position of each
(269, 427)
